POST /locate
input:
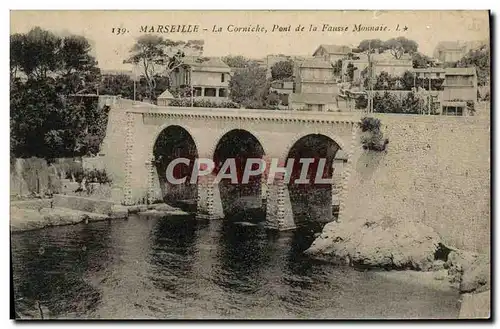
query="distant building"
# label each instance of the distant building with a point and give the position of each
(332, 53)
(452, 51)
(459, 87)
(283, 88)
(383, 62)
(315, 86)
(209, 77)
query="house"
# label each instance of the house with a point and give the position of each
(312, 102)
(332, 53)
(208, 76)
(315, 86)
(382, 62)
(452, 51)
(283, 88)
(459, 88)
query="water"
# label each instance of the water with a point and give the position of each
(177, 267)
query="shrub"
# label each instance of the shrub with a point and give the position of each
(186, 102)
(374, 139)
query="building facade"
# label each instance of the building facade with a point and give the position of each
(208, 76)
(332, 53)
(315, 86)
(452, 51)
(383, 62)
(458, 91)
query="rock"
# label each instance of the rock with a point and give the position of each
(118, 211)
(163, 207)
(457, 262)
(476, 276)
(24, 219)
(438, 265)
(476, 306)
(388, 243)
(440, 275)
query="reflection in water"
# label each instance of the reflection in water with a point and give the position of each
(177, 267)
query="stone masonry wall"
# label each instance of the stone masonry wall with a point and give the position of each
(436, 170)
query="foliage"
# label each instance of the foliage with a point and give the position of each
(237, 61)
(370, 43)
(159, 57)
(120, 84)
(471, 108)
(350, 71)
(249, 87)
(88, 175)
(337, 67)
(374, 138)
(421, 61)
(186, 102)
(40, 54)
(46, 119)
(389, 102)
(361, 102)
(480, 59)
(399, 46)
(282, 70)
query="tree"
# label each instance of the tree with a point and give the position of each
(159, 57)
(248, 86)
(337, 67)
(370, 43)
(480, 59)
(47, 120)
(399, 46)
(282, 70)
(237, 61)
(120, 84)
(421, 61)
(350, 71)
(407, 80)
(412, 104)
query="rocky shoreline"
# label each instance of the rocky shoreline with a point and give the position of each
(40, 213)
(405, 245)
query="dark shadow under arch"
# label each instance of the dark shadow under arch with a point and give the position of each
(174, 142)
(239, 200)
(312, 202)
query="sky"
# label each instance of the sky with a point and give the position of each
(427, 28)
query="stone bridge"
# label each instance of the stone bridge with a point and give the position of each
(139, 134)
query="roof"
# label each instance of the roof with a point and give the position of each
(316, 63)
(430, 70)
(205, 62)
(334, 49)
(166, 94)
(450, 45)
(460, 71)
(311, 98)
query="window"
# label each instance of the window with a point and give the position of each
(438, 74)
(187, 77)
(320, 107)
(222, 77)
(309, 107)
(210, 92)
(222, 92)
(197, 91)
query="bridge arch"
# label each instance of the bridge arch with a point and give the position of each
(170, 142)
(241, 198)
(161, 128)
(312, 202)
